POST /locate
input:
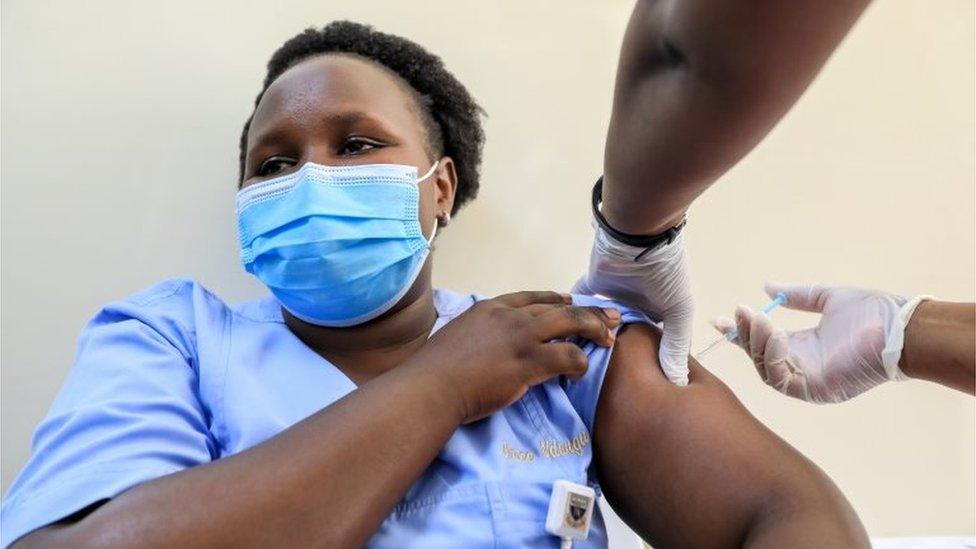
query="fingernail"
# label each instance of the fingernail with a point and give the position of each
(568, 298)
(612, 313)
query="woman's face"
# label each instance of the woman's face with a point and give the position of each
(340, 110)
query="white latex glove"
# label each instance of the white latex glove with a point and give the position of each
(855, 347)
(658, 284)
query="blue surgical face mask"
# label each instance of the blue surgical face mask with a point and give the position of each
(336, 245)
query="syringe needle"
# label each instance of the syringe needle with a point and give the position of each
(734, 333)
(711, 346)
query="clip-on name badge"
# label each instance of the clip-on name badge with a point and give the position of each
(570, 511)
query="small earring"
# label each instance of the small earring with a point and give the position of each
(444, 218)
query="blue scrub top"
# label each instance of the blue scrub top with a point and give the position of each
(172, 377)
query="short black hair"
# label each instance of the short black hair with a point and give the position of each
(451, 116)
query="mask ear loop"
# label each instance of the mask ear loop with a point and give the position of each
(430, 172)
(430, 241)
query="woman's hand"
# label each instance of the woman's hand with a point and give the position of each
(490, 355)
(855, 346)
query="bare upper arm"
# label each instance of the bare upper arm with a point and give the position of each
(699, 83)
(63, 533)
(690, 466)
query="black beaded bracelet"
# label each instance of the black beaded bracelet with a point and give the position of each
(648, 242)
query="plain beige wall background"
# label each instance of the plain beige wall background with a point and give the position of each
(120, 123)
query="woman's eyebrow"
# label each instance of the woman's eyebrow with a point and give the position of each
(264, 137)
(346, 117)
(335, 118)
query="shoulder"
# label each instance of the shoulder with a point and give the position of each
(175, 308)
(636, 395)
(450, 303)
(172, 297)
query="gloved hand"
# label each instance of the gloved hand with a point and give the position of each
(855, 347)
(658, 284)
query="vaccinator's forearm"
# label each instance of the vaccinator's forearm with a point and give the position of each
(940, 345)
(699, 84)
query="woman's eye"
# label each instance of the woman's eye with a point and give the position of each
(356, 146)
(274, 165)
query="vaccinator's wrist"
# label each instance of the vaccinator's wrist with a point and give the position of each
(939, 345)
(895, 332)
(913, 358)
(631, 229)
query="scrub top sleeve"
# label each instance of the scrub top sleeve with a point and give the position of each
(584, 394)
(128, 412)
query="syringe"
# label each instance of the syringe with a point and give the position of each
(734, 333)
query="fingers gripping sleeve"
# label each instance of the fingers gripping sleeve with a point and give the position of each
(584, 393)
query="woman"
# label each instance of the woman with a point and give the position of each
(360, 406)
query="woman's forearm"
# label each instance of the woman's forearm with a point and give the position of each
(940, 344)
(329, 480)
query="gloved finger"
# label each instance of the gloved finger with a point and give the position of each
(676, 342)
(794, 383)
(743, 323)
(726, 325)
(802, 297)
(760, 332)
(782, 372)
(723, 324)
(776, 372)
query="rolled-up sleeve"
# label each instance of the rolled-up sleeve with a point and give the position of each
(584, 393)
(128, 412)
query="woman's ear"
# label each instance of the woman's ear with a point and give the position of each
(445, 186)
